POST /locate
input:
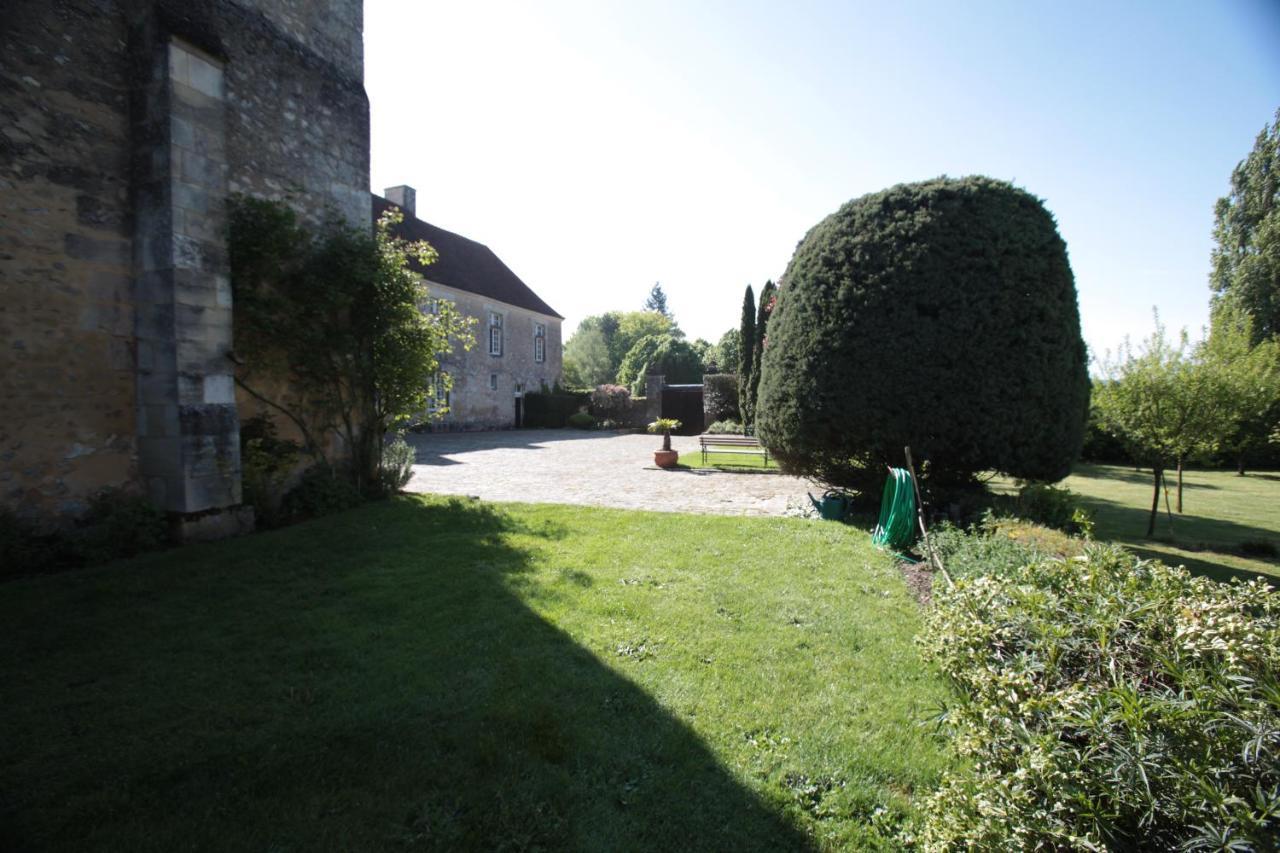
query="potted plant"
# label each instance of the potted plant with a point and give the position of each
(666, 457)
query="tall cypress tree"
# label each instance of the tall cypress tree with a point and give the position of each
(747, 354)
(762, 325)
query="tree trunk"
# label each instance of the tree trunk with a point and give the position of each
(666, 439)
(1179, 485)
(1155, 500)
(1240, 465)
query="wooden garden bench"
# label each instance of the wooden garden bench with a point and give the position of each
(732, 444)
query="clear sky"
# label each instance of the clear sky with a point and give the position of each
(599, 147)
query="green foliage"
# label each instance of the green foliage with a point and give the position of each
(728, 351)
(551, 410)
(320, 491)
(706, 353)
(329, 329)
(1246, 256)
(631, 327)
(1052, 506)
(118, 525)
(611, 402)
(266, 461)
(768, 299)
(397, 465)
(664, 354)
(720, 397)
(1249, 374)
(940, 315)
(725, 428)
(657, 301)
(746, 355)
(663, 426)
(586, 359)
(1166, 402)
(1106, 703)
(582, 420)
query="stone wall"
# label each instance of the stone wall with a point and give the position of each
(123, 126)
(473, 403)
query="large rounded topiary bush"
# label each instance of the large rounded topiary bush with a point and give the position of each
(940, 315)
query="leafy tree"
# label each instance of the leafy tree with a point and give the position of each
(657, 301)
(329, 330)
(1246, 257)
(747, 356)
(940, 315)
(728, 351)
(673, 357)
(586, 358)
(632, 326)
(768, 297)
(706, 352)
(1250, 374)
(1165, 402)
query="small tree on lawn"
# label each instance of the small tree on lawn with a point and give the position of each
(1165, 403)
(768, 296)
(330, 330)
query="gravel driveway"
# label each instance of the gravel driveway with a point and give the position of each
(592, 469)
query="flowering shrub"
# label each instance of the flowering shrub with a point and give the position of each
(1107, 703)
(611, 402)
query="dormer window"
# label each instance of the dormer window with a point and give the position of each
(495, 333)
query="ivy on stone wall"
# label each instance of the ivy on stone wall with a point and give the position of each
(329, 331)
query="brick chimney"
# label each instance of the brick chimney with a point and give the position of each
(404, 197)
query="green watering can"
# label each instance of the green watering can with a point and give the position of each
(833, 505)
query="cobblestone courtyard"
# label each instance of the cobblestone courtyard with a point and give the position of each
(592, 469)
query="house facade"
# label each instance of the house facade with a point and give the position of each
(517, 335)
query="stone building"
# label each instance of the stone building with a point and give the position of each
(124, 126)
(517, 347)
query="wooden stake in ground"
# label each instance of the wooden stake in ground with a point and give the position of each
(934, 560)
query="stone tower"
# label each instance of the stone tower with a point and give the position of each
(124, 126)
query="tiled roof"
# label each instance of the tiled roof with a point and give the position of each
(465, 264)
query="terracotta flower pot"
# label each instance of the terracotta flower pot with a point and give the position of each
(665, 458)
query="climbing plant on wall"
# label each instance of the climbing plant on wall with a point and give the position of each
(330, 331)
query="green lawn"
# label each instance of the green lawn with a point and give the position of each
(1220, 512)
(457, 675)
(753, 461)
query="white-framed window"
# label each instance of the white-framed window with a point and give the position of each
(493, 382)
(438, 402)
(539, 342)
(495, 333)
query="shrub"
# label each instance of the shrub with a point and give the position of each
(940, 315)
(321, 491)
(725, 428)
(1051, 506)
(551, 410)
(118, 525)
(397, 465)
(266, 461)
(24, 551)
(1107, 703)
(611, 402)
(720, 397)
(582, 420)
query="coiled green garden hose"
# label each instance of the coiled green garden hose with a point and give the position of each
(896, 527)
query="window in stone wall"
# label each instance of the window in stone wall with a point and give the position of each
(493, 382)
(439, 399)
(495, 333)
(539, 342)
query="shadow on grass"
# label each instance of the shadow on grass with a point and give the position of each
(365, 681)
(1128, 524)
(1141, 477)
